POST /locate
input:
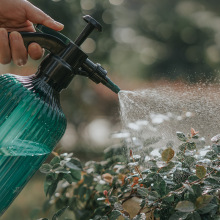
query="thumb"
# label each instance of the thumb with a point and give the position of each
(37, 16)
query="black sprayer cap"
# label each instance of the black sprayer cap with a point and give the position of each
(66, 59)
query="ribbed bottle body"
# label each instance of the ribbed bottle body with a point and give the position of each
(31, 124)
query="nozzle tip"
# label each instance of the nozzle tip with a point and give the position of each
(112, 86)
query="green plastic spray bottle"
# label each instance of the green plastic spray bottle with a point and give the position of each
(31, 118)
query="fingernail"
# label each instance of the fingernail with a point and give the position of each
(20, 62)
(15, 36)
(4, 34)
(58, 23)
(50, 23)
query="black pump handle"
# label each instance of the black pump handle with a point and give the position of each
(91, 25)
(46, 41)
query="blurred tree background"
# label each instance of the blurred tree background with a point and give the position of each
(142, 41)
(146, 38)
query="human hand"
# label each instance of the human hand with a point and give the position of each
(20, 15)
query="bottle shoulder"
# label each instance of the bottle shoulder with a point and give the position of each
(30, 85)
(29, 88)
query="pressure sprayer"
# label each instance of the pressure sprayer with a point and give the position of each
(31, 118)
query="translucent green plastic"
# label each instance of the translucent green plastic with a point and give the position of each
(31, 124)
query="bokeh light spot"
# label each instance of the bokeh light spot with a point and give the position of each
(213, 54)
(116, 2)
(87, 4)
(107, 16)
(89, 45)
(148, 56)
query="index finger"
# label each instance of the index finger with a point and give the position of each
(37, 16)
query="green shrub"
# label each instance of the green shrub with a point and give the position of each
(180, 184)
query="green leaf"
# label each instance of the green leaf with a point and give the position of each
(181, 136)
(45, 168)
(142, 191)
(211, 155)
(160, 187)
(55, 160)
(76, 162)
(185, 206)
(191, 145)
(194, 216)
(167, 168)
(114, 214)
(145, 171)
(101, 199)
(200, 171)
(183, 146)
(50, 189)
(180, 176)
(68, 177)
(169, 199)
(152, 164)
(46, 186)
(153, 195)
(193, 178)
(167, 154)
(195, 136)
(151, 140)
(113, 199)
(76, 174)
(61, 170)
(59, 213)
(208, 208)
(51, 177)
(197, 190)
(212, 181)
(203, 201)
(72, 166)
(179, 215)
(56, 165)
(101, 187)
(188, 161)
(216, 148)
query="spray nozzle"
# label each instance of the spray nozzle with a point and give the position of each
(66, 58)
(97, 74)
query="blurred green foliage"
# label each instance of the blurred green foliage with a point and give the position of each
(147, 38)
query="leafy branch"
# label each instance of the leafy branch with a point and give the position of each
(179, 184)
